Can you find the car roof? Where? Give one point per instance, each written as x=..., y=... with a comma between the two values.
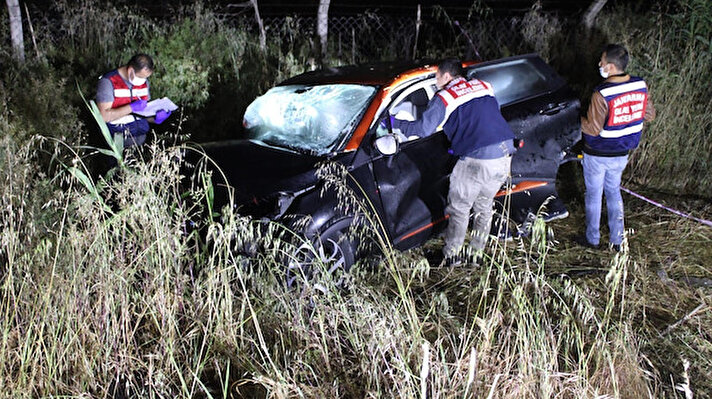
x=377, y=74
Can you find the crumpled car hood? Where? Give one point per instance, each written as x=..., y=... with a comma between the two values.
x=257, y=172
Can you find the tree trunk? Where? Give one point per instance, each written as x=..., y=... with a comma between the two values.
x=592, y=12
x=15, y=12
x=263, y=36
x=322, y=28
x=417, y=32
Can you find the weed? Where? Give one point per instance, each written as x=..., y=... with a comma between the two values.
x=105, y=292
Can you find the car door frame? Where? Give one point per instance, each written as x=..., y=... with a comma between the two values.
x=431, y=192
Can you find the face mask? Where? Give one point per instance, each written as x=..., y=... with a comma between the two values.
x=136, y=81
x=602, y=72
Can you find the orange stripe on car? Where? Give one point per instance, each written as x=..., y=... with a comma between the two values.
x=525, y=185
x=362, y=128
x=381, y=95
x=421, y=229
x=365, y=123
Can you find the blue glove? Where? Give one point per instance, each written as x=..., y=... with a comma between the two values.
x=384, y=124
x=161, y=116
x=138, y=105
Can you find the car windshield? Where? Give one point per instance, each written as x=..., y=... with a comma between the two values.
x=307, y=119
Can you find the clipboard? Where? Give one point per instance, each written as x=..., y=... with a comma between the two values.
x=154, y=106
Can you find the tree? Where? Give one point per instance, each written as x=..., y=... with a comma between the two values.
x=15, y=13
x=260, y=24
x=322, y=27
x=263, y=37
x=592, y=12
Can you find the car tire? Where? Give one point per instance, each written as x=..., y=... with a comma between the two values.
x=332, y=252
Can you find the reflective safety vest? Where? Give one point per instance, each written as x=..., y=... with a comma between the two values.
x=472, y=116
x=123, y=94
x=624, y=123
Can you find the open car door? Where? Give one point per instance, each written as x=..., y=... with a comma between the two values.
x=413, y=182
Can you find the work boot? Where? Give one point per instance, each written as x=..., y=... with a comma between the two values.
x=582, y=241
x=452, y=261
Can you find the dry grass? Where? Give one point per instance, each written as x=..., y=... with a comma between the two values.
x=672, y=274
x=124, y=302
x=104, y=292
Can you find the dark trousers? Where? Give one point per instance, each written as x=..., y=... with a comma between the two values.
x=134, y=133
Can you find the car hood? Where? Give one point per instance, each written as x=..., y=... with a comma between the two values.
x=257, y=172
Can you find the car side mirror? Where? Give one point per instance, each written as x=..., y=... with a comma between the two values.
x=387, y=144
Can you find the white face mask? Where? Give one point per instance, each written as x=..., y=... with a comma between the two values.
x=602, y=72
x=136, y=81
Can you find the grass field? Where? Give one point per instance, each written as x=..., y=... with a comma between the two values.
x=105, y=293
x=121, y=302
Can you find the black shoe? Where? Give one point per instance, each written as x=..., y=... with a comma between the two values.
x=582, y=241
x=616, y=247
x=452, y=261
x=479, y=260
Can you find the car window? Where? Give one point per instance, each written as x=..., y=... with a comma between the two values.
x=517, y=79
x=309, y=119
x=410, y=104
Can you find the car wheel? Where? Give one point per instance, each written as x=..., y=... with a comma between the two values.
x=329, y=255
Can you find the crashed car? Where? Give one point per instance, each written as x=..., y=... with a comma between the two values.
x=333, y=115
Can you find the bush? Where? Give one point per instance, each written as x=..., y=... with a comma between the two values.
x=42, y=101
x=191, y=52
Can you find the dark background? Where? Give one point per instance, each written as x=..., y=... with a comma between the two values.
x=280, y=7
x=395, y=7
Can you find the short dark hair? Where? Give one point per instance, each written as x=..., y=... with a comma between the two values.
x=453, y=66
x=617, y=55
x=140, y=62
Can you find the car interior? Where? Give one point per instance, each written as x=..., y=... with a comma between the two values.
x=411, y=105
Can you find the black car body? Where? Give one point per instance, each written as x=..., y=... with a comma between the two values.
x=334, y=115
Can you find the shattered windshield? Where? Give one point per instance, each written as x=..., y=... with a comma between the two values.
x=308, y=119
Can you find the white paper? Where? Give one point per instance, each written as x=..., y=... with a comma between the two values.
x=156, y=105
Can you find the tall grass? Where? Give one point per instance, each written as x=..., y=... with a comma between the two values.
x=124, y=302
x=105, y=292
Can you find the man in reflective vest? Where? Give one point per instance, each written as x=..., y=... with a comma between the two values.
x=611, y=129
x=468, y=113
x=123, y=92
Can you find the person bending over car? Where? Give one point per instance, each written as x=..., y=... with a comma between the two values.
x=611, y=129
x=470, y=117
